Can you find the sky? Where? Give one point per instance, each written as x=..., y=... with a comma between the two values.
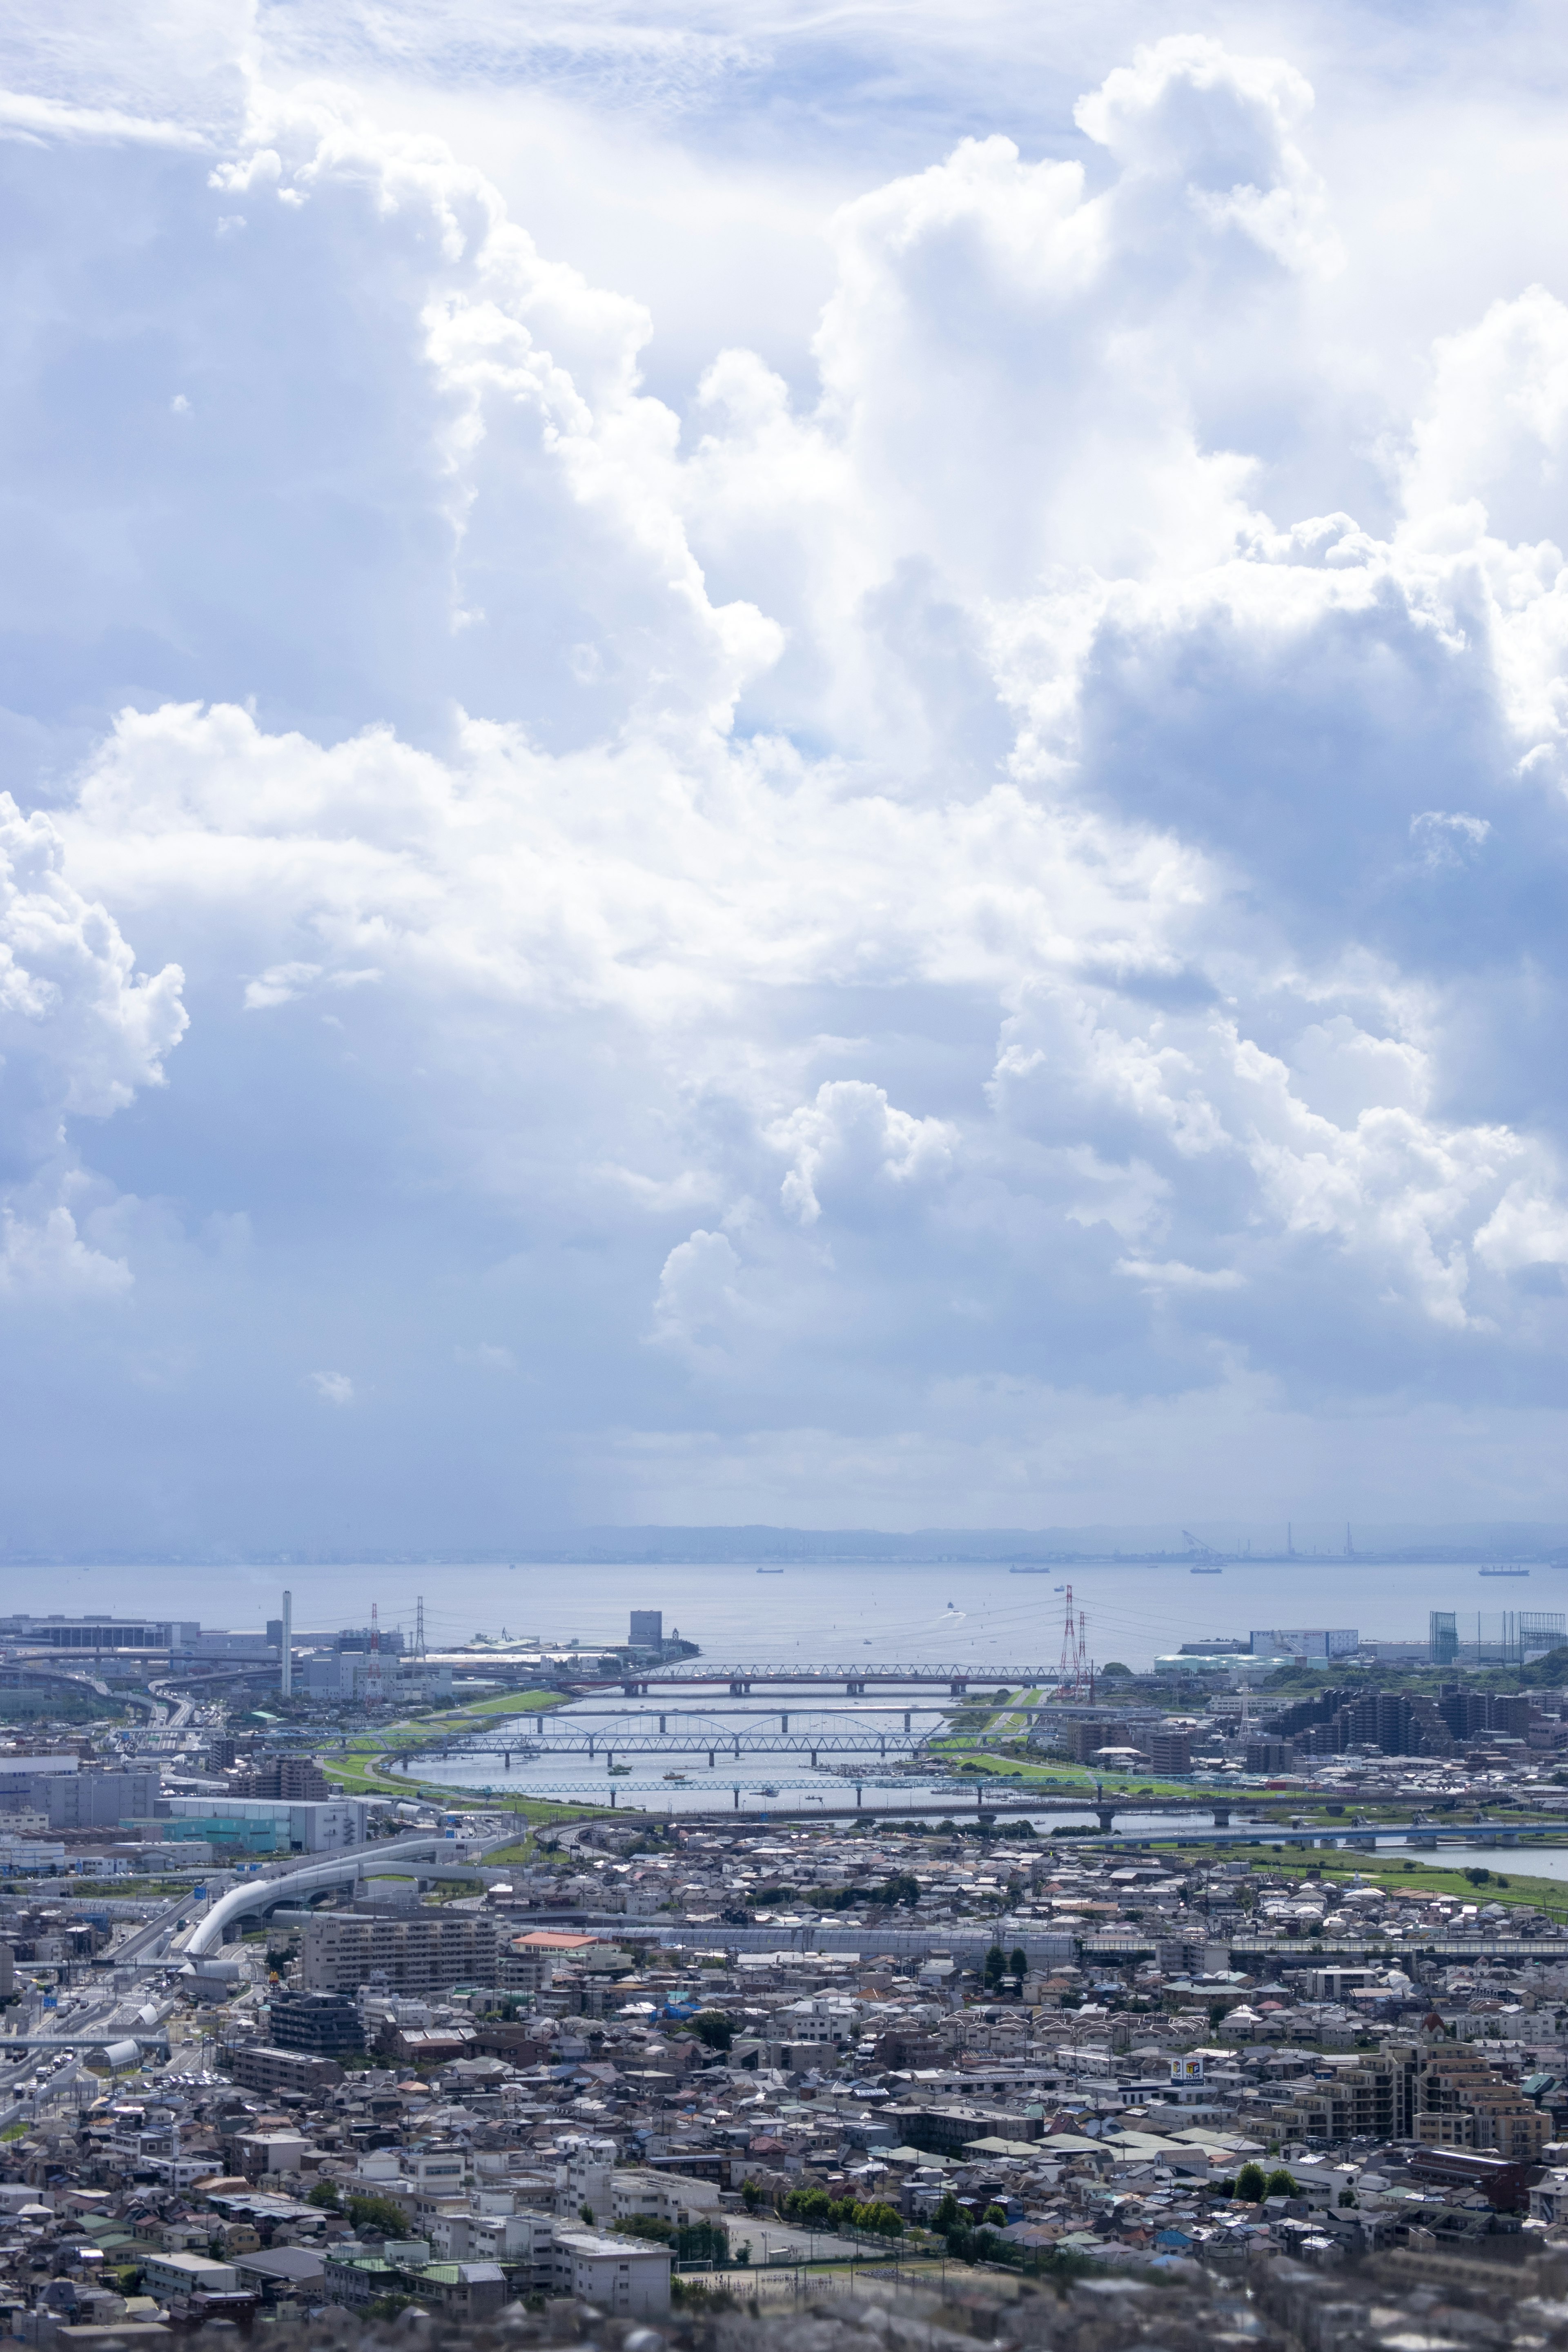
x=794, y=763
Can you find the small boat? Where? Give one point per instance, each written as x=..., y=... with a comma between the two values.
x=767, y=1790
x=1505, y=1571
x=1219, y=1571
x=770, y=1571
x=676, y=1776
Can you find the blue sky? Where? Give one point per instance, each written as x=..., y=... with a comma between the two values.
x=780, y=764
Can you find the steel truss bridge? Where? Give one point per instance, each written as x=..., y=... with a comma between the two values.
x=852, y=1676
x=710, y=1744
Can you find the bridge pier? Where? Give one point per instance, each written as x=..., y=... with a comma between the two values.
x=1107, y=1815
x=1221, y=1816
x=906, y=1721
x=661, y=1725
x=814, y=1760
x=853, y=1689
x=783, y=1723
x=710, y=1755
x=957, y=1686
x=740, y=1689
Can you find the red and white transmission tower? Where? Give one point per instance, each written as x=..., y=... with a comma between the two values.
x=1075, y=1675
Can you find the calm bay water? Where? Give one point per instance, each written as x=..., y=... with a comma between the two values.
x=832, y=1612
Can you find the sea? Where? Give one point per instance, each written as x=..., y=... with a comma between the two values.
x=973, y=1613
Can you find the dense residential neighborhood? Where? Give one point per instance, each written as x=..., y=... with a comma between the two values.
x=639, y=2052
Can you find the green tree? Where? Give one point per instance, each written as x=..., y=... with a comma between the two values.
x=586, y=2214
x=1018, y=1962
x=1347, y=2197
x=1116, y=1672
x=879, y=2220
x=1279, y=2184
x=947, y=2215
x=646, y=2226
x=751, y=2195
x=325, y=2192
x=382, y=2213
x=1249, y=2184
x=703, y=2241
x=712, y=2028
x=995, y=2217
x=995, y=1965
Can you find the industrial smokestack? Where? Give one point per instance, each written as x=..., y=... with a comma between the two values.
x=286, y=1682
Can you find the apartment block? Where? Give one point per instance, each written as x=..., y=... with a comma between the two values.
x=261, y=2066
x=429, y=1952
x=320, y=2024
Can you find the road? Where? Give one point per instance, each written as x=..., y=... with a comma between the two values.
x=20, y=2093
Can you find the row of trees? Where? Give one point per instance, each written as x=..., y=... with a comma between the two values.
x=816, y=2211
x=1252, y=2186
x=693, y=2241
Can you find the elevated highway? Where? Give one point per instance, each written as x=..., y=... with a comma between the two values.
x=253, y=1897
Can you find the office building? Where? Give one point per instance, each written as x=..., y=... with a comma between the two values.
x=647, y=1628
